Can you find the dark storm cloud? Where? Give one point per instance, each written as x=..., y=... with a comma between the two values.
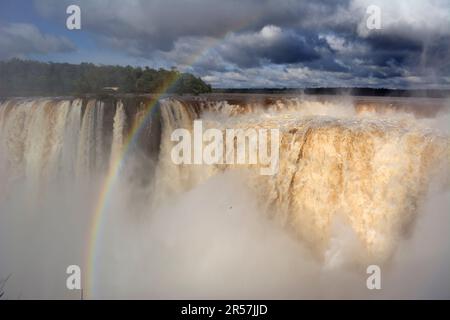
x=161, y=22
x=270, y=45
x=392, y=42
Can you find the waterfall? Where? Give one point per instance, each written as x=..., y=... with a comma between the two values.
x=369, y=165
x=118, y=132
x=336, y=162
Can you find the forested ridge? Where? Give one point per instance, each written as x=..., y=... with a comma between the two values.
x=33, y=78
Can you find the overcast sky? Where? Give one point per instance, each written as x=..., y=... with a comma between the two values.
x=243, y=43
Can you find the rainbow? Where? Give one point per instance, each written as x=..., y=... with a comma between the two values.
x=95, y=230
x=112, y=176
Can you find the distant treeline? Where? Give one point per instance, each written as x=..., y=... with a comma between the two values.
x=32, y=78
x=381, y=92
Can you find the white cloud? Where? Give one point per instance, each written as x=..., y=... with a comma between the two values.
x=21, y=39
x=270, y=32
x=413, y=18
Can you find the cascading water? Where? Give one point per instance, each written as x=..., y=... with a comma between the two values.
x=118, y=132
x=372, y=171
x=367, y=165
